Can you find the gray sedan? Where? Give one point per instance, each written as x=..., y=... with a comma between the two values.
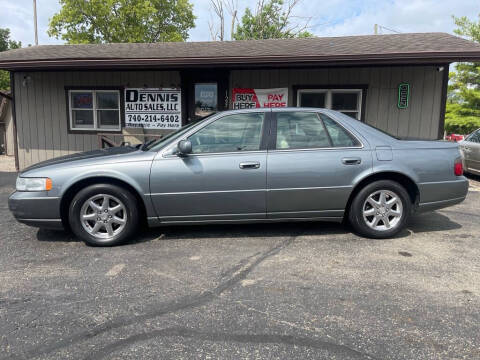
x=262, y=165
x=471, y=152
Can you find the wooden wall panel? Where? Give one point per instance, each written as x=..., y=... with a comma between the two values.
x=420, y=120
x=41, y=109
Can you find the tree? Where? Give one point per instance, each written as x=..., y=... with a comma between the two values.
x=463, y=106
x=217, y=31
x=6, y=44
x=272, y=19
x=114, y=21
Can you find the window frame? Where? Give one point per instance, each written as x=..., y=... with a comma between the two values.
x=168, y=151
x=262, y=132
x=94, y=90
x=272, y=143
x=361, y=89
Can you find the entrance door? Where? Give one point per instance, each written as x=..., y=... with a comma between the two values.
x=206, y=92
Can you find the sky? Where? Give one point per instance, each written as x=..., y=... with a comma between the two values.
x=327, y=17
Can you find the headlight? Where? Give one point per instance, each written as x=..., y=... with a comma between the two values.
x=33, y=184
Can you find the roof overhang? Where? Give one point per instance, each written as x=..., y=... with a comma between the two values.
x=241, y=62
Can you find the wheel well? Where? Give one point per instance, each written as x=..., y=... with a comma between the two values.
x=405, y=181
x=76, y=187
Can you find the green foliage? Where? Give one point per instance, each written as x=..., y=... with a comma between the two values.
x=271, y=21
x=116, y=21
x=460, y=119
x=463, y=107
x=6, y=44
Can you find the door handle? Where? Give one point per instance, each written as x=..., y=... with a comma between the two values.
x=351, y=161
x=249, y=165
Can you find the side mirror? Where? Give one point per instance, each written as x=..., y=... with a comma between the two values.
x=184, y=147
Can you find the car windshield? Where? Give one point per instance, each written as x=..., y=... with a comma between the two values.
x=158, y=144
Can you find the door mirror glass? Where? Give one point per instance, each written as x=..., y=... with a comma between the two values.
x=184, y=147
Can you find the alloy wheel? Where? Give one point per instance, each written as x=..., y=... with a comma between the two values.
x=382, y=210
x=103, y=216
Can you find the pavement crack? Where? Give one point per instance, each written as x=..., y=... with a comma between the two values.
x=186, y=302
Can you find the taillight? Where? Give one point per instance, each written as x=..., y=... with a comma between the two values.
x=458, y=167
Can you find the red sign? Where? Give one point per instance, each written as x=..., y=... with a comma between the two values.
x=247, y=98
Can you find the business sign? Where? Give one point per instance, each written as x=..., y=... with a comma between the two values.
x=247, y=98
x=403, y=95
x=153, y=108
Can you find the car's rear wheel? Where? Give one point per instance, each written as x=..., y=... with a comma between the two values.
x=380, y=210
x=103, y=215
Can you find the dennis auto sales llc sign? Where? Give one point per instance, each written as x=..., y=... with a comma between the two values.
x=247, y=98
x=153, y=108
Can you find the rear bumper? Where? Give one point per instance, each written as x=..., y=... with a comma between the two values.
x=438, y=195
x=36, y=209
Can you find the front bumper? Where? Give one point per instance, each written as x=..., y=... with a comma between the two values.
x=36, y=209
x=438, y=195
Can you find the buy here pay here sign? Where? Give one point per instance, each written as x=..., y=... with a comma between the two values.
x=248, y=98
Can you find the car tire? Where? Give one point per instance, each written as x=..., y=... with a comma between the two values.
x=380, y=209
x=103, y=215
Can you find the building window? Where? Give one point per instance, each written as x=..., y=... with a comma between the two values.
x=94, y=110
x=347, y=101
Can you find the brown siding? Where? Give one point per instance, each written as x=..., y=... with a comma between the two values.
x=42, y=111
x=420, y=120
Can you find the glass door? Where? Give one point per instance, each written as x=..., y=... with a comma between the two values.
x=206, y=92
x=206, y=99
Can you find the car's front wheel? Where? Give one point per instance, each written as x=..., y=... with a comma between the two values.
x=380, y=210
x=103, y=215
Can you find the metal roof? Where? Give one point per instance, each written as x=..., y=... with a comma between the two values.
x=353, y=50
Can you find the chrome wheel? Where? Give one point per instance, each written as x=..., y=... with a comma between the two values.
x=103, y=216
x=382, y=210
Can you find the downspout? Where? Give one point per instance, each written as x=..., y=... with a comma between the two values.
x=14, y=119
x=443, y=101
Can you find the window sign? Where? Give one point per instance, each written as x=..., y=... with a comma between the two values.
x=403, y=95
x=205, y=99
x=82, y=100
x=153, y=108
x=248, y=98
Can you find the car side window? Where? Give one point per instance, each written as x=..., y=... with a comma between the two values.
x=231, y=133
x=300, y=130
x=340, y=137
x=475, y=137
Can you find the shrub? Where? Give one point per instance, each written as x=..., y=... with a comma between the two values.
x=461, y=120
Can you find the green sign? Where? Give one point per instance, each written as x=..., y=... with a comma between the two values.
x=403, y=95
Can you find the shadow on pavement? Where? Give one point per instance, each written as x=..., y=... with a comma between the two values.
x=428, y=222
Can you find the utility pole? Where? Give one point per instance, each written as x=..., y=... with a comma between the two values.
x=35, y=20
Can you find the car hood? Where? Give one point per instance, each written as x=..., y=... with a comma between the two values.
x=95, y=154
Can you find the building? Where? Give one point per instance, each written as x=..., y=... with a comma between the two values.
x=7, y=142
x=66, y=97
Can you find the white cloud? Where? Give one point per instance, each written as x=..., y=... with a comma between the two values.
x=403, y=16
x=17, y=15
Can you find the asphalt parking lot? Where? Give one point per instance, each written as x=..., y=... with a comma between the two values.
x=283, y=291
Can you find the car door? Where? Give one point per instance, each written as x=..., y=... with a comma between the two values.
x=312, y=163
x=471, y=150
x=224, y=178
